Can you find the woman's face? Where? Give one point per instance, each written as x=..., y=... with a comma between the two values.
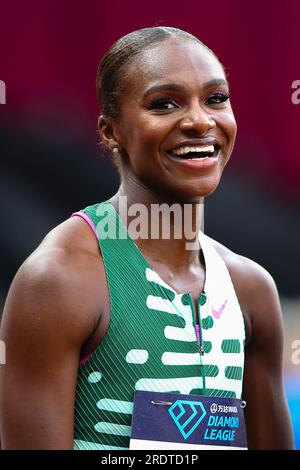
x=176, y=123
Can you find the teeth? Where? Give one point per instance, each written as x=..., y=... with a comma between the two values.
x=185, y=150
x=200, y=158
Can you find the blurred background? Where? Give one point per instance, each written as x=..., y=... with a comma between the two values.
x=50, y=164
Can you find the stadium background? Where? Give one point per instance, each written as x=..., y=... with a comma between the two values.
x=50, y=164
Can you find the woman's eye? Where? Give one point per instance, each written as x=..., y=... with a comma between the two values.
x=163, y=103
x=218, y=98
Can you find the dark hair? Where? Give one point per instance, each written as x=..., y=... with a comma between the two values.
x=111, y=70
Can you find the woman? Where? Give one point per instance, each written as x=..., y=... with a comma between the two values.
x=148, y=314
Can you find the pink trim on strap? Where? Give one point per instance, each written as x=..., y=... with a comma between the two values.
x=88, y=220
x=85, y=359
x=198, y=334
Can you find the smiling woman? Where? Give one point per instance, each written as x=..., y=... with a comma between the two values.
x=94, y=316
x=157, y=92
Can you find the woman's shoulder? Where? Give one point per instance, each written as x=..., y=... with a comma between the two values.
x=244, y=271
x=68, y=253
x=255, y=289
x=61, y=279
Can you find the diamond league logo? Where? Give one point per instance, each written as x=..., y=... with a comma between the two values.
x=187, y=415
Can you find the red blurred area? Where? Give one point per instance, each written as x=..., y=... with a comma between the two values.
x=50, y=51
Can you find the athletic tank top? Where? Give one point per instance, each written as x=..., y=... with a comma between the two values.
x=151, y=342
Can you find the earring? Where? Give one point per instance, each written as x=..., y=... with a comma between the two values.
x=116, y=151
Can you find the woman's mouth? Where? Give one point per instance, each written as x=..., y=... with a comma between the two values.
x=196, y=157
x=196, y=153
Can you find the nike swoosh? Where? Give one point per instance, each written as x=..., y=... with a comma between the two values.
x=217, y=313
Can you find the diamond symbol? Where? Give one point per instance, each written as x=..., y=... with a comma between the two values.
x=187, y=415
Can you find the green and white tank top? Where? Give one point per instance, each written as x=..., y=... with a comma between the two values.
x=151, y=341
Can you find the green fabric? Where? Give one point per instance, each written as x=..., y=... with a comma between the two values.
x=137, y=353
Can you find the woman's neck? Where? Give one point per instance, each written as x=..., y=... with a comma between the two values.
x=164, y=229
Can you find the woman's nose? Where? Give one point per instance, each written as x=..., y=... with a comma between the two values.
x=198, y=121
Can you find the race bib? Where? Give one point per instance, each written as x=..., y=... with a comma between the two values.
x=173, y=421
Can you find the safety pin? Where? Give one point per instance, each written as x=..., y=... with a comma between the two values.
x=162, y=403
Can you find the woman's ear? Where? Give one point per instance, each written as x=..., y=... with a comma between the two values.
x=106, y=131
